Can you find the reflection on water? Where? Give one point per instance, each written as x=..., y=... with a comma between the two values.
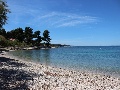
x=42, y=56
x=45, y=56
x=104, y=59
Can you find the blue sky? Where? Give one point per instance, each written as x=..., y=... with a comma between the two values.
x=73, y=22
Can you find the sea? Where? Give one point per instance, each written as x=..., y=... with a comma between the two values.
x=98, y=59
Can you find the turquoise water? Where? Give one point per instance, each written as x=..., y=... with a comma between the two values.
x=104, y=59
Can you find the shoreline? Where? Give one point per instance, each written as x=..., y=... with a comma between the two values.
x=86, y=70
x=41, y=77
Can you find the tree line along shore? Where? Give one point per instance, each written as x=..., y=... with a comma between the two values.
x=24, y=38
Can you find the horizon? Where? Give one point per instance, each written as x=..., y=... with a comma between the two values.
x=96, y=46
x=70, y=22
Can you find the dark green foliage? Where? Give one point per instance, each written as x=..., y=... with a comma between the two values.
x=3, y=32
x=19, y=34
x=38, y=37
x=3, y=13
x=12, y=34
x=46, y=37
x=36, y=34
x=3, y=41
x=28, y=35
x=20, y=37
x=9, y=35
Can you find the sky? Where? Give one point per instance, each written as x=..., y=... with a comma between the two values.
x=72, y=22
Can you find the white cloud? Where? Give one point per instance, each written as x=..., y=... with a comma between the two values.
x=66, y=19
x=48, y=15
x=39, y=17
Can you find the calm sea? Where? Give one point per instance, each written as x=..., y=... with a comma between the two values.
x=105, y=59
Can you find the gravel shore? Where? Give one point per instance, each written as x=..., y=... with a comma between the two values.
x=23, y=75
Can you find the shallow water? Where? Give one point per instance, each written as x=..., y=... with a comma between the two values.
x=105, y=59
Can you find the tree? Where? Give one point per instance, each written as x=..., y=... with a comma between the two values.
x=12, y=34
x=3, y=32
x=19, y=34
x=28, y=35
x=46, y=37
x=38, y=37
x=9, y=35
x=3, y=13
x=3, y=41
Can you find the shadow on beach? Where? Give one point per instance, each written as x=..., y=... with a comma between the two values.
x=11, y=77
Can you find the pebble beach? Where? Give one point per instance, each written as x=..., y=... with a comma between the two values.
x=24, y=75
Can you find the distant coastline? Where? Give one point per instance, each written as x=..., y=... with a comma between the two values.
x=42, y=46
